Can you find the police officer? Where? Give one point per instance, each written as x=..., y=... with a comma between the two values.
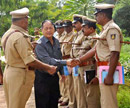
x=88, y=67
x=107, y=53
x=77, y=101
x=36, y=33
x=60, y=35
x=20, y=61
x=60, y=30
x=65, y=49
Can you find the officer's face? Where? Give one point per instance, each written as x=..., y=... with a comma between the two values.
x=60, y=30
x=99, y=18
x=48, y=29
x=68, y=29
x=24, y=23
x=87, y=30
x=77, y=26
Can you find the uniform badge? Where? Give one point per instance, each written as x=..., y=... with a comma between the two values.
x=113, y=36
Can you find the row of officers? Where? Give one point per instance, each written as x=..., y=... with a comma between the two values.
x=74, y=44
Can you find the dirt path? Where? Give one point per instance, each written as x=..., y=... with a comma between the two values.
x=30, y=103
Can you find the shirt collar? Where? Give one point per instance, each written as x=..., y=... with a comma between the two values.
x=18, y=28
x=69, y=34
x=80, y=32
x=47, y=40
x=91, y=35
x=107, y=24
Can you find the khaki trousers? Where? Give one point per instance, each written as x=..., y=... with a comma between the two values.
x=91, y=92
x=108, y=95
x=17, y=86
x=93, y=96
x=79, y=91
x=71, y=94
x=63, y=89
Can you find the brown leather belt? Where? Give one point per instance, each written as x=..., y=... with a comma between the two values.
x=105, y=63
x=86, y=63
x=66, y=57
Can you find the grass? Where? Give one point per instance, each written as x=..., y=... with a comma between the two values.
x=123, y=95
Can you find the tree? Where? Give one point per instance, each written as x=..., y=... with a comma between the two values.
x=122, y=15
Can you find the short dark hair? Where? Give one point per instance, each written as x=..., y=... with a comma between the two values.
x=16, y=19
x=108, y=13
x=91, y=24
x=50, y=22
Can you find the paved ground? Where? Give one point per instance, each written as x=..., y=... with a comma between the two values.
x=30, y=103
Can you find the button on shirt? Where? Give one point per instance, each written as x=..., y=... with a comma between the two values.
x=50, y=54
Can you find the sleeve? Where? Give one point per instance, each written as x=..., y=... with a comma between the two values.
x=43, y=56
x=24, y=50
x=113, y=40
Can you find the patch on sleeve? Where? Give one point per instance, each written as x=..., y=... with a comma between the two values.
x=113, y=36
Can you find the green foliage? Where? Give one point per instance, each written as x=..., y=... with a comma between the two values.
x=122, y=15
x=125, y=57
x=123, y=95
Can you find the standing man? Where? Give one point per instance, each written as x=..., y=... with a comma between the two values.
x=88, y=67
x=65, y=49
x=20, y=61
x=77, y=101
x=48, y=51
x=60, y=36
x=60, y=30
x=107, y=53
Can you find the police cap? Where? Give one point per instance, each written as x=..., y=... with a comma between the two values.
x=67, y=23
x=59, y=24
x=77, y=17
x=103, y=8
x=20, y=13
x=87, y=21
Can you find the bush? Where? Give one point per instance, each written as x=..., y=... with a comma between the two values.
x=123, y=95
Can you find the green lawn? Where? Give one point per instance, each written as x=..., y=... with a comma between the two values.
x=124, y=95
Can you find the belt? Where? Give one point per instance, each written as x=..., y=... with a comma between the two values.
x=86, y=63
x=66, y=57
x=105, y=63
x=29, y=68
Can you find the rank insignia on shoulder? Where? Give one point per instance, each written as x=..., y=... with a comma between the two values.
x=113, y=36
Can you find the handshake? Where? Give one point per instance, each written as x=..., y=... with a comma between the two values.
x=73, y=62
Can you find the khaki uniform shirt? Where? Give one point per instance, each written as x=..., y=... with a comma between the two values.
x=18, y=51
x=61, y=37
x=88, y=43
x=65, y=49
x=113, y=35
x=78, y=39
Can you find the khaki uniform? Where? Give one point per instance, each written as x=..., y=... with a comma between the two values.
x=92, y=92
x=61, y=83
x=18, y=80
x=61, y=37
x=79, y=97
x=66, y=48
x=112, y=34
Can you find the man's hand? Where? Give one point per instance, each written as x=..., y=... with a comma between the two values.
x=1, y=79
x=108, y=80
x=94, y=81
x=73, y=62
x=62, y=78
x=52, y=70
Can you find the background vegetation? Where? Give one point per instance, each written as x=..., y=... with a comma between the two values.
x=64, y=9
